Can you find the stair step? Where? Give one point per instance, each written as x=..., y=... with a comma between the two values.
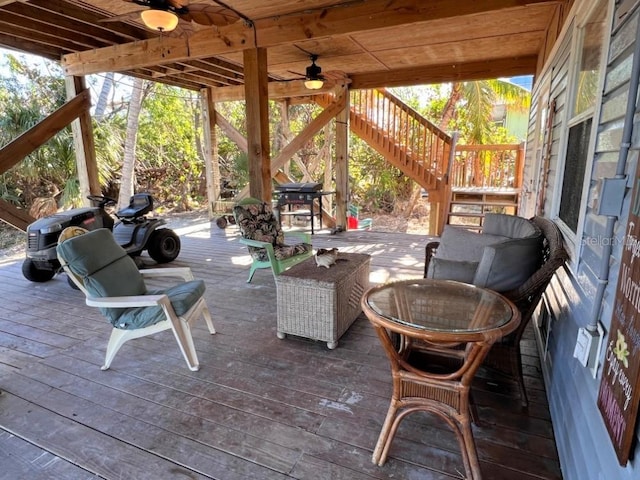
x=484, y=196
x=475, y=209
x=466, y=214
x=471, y=228
x=480, y=202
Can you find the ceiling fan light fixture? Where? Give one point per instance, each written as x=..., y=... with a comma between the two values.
x=313, y=78
x=160, y=20
x=313, y=84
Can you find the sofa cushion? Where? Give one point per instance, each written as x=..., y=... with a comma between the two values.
x=510, y=226
x=462, y=245
x=440, y=268
x=506, y=265
x=501, y=258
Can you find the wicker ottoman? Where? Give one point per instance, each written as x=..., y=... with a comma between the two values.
x=321, y=303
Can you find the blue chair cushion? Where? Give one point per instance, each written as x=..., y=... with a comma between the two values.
x=182, y=296
x=104, y=266
x=459, y=244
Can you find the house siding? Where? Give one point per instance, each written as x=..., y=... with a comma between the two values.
x=584, y=447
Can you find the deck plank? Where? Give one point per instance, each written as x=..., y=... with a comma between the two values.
x=259, y=407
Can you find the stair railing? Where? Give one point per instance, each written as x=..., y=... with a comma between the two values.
x=407, y=139
x=487, y=166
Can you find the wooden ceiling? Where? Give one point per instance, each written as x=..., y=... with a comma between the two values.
x=373, y=42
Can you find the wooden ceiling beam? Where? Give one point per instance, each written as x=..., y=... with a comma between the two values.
x=233, y=76
x=201, y=79
x=36, y=32
x=112, y=33
x=447, y=73
x=277, y=89
x=269, y=32
x=61, y=22
x=172, y=81
x=22, y=45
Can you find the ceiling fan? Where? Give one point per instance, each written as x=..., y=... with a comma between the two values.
x=313, y=78
x=164, y=15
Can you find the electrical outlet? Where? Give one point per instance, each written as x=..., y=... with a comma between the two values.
x=587, y=347
x=583, y=346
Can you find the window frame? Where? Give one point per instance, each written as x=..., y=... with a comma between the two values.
x=584, y=13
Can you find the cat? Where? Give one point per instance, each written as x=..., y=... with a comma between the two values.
x=326, y=257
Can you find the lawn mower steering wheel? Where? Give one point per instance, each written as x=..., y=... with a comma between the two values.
x=102, y=200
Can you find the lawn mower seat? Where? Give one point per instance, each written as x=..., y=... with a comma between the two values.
x=139, y=204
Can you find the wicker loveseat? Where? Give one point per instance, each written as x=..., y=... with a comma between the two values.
x=505, y=356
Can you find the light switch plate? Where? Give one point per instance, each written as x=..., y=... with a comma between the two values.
x=583, y=346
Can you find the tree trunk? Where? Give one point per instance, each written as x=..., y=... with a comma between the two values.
x=415, y=196
x=449, y=110
x=284, y=136
x=101, y=106
x=127, y=180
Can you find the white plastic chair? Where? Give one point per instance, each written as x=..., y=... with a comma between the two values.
x=97, y=264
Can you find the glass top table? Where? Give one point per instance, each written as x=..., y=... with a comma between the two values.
x=449, y=327
x=441, y=308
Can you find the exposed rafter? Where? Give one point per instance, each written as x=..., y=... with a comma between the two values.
x=270, y=32
x=376, y=42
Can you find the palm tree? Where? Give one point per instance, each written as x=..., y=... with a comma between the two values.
x=478, y=100
x=127, y=180
x=101, y=106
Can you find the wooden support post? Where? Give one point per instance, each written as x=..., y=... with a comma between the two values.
x=342, y=159
x=212, y=167
x=84, y=145
x=257, y=108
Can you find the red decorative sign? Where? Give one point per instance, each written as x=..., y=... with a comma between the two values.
x=619, y=393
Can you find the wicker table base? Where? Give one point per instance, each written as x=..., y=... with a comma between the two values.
x=322, y=303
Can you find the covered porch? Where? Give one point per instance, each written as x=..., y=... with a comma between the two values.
x=258, y=408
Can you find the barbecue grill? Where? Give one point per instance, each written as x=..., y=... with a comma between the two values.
x=296, y=194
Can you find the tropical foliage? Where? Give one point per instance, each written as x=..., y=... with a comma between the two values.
x=168, y=156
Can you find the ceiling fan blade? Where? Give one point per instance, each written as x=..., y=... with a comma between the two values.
x=162, y=4
x=296, y=73
x=209, y=15
x=124, y=16
x=178, y=4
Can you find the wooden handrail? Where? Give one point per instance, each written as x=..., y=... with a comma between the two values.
x=407, y=139
x=488, y=166
x=425, y=153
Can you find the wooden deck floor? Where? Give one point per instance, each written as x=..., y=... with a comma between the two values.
x=259, y=408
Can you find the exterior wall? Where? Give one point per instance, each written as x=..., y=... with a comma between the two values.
x=584, y=446
x=516, y=123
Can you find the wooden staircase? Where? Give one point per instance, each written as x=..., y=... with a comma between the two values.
x=406, y=139
x=463, y=181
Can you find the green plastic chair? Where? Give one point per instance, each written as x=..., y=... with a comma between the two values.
x=265, y=239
